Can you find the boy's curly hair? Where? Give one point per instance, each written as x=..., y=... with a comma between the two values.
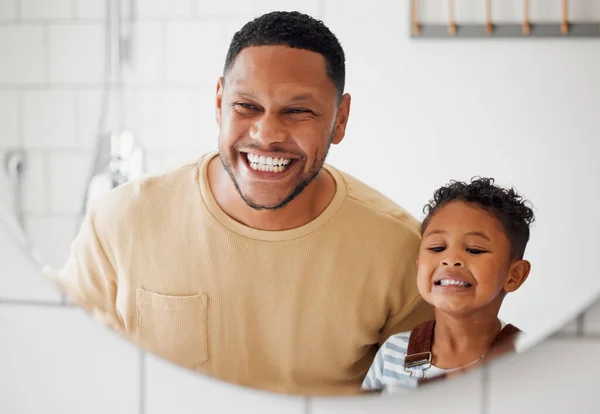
x=504, y=204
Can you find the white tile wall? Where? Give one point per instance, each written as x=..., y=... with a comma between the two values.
x=20, y=279
x=559, y=375
x=147, y=61
x=311, y=7
x=36, y=194
x=48, y=118
x=210, y=8
x=67, y=176
x=50, y=73
x=9, y=119
x=45, y=9
x=22, y=54
x=90, y=9
x=76, y=53
x=57, y=360
x=463, y=396
x=187, y=63
x=160, y=9
x=174, y=118
x=591, y=321
x=52, y=235
x=172, y=389
x=8, y=9
x=88, y=114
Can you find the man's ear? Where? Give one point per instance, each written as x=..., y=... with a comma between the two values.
x=341, y=119
x=517, y=274
x=219, y=100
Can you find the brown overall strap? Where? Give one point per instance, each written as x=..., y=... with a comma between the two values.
x=504, y=342
x=419, y=345
x=505, y=334
x=421, y=340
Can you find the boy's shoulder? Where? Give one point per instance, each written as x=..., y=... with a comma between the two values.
x=397, y=344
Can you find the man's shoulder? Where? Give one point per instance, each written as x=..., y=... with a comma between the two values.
x=368, y=202
x=148, y=194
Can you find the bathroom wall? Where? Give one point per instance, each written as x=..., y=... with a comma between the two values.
x=54, y=359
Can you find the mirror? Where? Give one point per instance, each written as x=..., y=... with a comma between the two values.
x=296, y=295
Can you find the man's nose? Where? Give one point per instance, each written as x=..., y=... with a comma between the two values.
x=269, y=129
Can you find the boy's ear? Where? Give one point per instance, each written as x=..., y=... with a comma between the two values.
x=518, y=273
x=417, y=261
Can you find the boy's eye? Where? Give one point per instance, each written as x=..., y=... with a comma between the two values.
x=438, y=249
x=475, y=251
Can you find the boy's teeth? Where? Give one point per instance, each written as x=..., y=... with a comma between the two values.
x=449, y=282
x=268, y=164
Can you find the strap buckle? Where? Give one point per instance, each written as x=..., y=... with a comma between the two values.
x=418, y=359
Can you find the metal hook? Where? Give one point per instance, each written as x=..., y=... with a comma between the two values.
x=526, y=22
x=451, y=20
x=564, y=25
x=416, y=27
x=489, y=26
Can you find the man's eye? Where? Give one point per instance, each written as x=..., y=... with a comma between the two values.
x=246, y=107
x=437, y=249
x=299, y=111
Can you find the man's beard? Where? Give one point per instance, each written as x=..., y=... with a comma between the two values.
x=312, y=174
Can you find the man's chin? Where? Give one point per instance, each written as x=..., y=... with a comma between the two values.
x=264, y=204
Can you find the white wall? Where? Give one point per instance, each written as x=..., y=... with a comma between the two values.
x=423, y=112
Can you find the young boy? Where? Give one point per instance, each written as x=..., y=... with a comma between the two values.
x=473, y=241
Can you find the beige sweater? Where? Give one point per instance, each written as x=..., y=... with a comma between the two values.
x=296, y=311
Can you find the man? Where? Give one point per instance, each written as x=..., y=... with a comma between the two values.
x=259, y=264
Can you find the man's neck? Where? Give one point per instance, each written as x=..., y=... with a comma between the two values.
x=308, y=205
x=461, y=340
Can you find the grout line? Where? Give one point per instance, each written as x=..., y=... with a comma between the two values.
x=589, y=337
x=20, y=302
x=74, y=10
x=485, y=388
x=321, y=9
x=20, y=119
x=163, y=52
x=142, y=382
x=91, y=86
x=77, y=115
x=307, y=405
x=580, y=324
x=47, y=57
x=48, y=181
x=195, y=9
x=132, y=86
x=200, y=18
x=58, y=150
x=58, y=21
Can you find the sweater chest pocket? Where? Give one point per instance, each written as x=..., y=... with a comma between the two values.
x=173, y=327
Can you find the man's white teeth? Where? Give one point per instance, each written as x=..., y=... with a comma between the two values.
x=450, y=282
x=267, y=164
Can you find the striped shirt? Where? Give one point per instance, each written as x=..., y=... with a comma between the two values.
x=387, y=370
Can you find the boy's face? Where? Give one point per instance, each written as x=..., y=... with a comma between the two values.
x=464, y=263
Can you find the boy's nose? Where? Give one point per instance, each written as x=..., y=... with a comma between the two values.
x=455, y=262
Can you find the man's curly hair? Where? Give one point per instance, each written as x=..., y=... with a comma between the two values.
x=292, y=29
x=504, y=204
